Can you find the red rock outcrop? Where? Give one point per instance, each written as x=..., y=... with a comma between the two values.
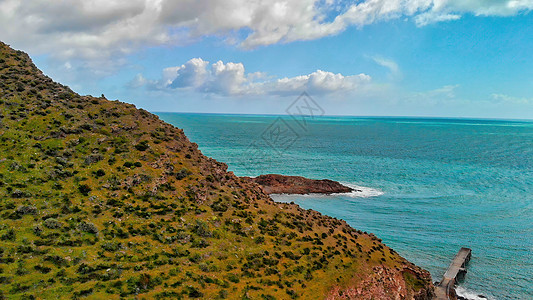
x=387, y=283
x=282, y=184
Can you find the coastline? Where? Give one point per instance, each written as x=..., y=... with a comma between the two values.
x=215, y=233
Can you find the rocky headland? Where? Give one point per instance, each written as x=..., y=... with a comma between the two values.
x=283, y=184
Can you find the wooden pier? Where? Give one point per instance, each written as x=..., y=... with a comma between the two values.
x=445, y=290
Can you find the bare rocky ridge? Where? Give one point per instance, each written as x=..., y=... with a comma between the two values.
x=282, y=184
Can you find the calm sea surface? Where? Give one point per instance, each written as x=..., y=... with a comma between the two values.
x=430, y=186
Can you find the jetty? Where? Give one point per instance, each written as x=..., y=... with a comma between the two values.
x=445, y=290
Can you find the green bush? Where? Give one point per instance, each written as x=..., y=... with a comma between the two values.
x=142, y=146
x=182, y=174
x=87, y=227
x=52, y=223
x=233, y=278
x=84, y=189
x=27, y=210
x=99, y=173
x=9, y=235
x=111, y=246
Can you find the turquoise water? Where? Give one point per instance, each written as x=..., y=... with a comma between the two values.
x=430, y=186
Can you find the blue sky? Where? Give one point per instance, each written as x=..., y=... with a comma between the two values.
x=443, y=58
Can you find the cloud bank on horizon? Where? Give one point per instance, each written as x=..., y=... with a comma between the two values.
x=230, y=79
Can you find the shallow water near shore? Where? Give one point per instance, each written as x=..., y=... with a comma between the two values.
x=430, y=186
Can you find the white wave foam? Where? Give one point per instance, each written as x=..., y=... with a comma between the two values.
x=470, y=295
x=361, y=191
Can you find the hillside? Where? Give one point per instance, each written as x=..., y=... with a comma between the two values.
x=101, y=200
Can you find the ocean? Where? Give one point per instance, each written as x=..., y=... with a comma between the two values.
x=429, y=185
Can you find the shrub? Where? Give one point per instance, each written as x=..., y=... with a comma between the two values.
x=233, y=278
x=223, y=294
x=111, y=246
x=83, y=293
x=84, y=189
x=99, y=173
x=146, y=282
x=142, y=146
x=37, y=230
x=20, y=194
x=182, y=174
x=219, y=206
x=8, y=236
x=42, y=269
x=87, y=227
x=195, y=257
x=194, y=292
x=27, y=210
x=201, y=243
x=58, y=261
x=52, y=223
x=93, y=158
x=21, y=270
x=202, y=229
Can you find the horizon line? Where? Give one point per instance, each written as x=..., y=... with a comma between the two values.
x=355, y=116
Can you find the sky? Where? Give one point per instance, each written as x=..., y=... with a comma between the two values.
x=442, y=58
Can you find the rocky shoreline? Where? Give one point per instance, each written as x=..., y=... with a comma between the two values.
x=283, y=184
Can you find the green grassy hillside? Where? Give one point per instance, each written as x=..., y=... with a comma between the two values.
x=101, y=200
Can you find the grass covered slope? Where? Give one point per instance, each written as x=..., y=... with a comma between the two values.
x=101, y=200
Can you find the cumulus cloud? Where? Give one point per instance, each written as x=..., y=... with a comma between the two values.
x=102, y=28
x=318, y=82
x=231, y=79
x=191, y=74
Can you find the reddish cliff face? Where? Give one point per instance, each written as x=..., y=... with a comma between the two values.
x=387, y=283
x=281, y=184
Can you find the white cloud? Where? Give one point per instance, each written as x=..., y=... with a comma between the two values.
x=231, y=79
x=193, y=73
x=228, y=79
x=389, y=64
x=444, y=95
x=434, y=17
x=506, y=99
x=138, y=81
x=318, y=82
x=103, y=28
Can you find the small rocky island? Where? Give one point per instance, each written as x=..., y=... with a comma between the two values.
x=282, y=184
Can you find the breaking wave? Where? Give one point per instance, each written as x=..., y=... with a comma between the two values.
x=359, y=192
x=470, y=295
